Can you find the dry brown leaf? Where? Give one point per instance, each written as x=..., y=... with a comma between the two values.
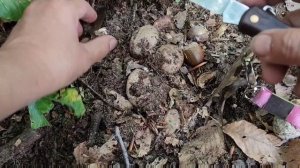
x=120, y=101
x=95, y=154
x=204, y=78
x=205, y=148
x=172, y=121
x=254, y=142
x=291, y=153
x=143, y=139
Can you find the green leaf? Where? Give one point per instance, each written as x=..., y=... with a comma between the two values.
x=12, y=10
x=71, y=98
x=37, y=110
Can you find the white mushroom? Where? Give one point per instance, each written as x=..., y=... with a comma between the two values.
x=143, y=41
x=172, y=58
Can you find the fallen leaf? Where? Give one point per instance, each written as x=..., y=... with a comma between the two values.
x=205, y=148
x=254, y=142
x=103, y=154
x=120, y=100
x=172, y=120
x=204, y=78
x=143, y=139
x=291, y=153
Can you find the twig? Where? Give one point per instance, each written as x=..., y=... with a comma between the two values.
x=98, y=95
x=124, y=150
x=28, y=138
x=95, y=126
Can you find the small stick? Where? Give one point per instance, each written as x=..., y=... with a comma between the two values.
x=98, y=95
x=197, y=66
x=124, y=151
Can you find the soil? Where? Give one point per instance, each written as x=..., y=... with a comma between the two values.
x=222, y=49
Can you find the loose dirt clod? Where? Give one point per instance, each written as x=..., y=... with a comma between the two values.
x=143, y=41
x=180, y=19
x=164, y=23
x=205, y=148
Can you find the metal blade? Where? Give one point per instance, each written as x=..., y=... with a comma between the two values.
x=231, y=10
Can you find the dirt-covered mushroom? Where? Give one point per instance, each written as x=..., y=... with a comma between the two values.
x=169, y=58
x=137, y=84
x=145, y=91
x=143, y=41
x=198, y=33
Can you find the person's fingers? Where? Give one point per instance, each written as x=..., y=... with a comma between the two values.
x=278, y=46
x=83, y=10
x=273, y=73
x=99, y=47
x=79, y=29
x=292, y=18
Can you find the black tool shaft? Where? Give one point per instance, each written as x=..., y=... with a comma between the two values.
x=256, y=20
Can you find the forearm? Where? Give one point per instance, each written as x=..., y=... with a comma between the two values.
x=20, y=81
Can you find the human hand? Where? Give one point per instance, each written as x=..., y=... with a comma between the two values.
x=43, y=52
x=278, y=49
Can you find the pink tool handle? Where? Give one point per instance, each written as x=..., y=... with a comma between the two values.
x=294, y=117
x=263, y=97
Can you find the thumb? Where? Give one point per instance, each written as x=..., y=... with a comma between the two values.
x=278, y=46
x=99, y=47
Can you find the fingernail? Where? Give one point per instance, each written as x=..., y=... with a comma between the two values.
x=261, y=45
x=112, y=43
